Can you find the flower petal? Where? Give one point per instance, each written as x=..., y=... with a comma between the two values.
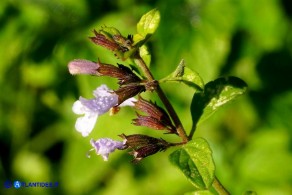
x=99, y=105
x=78, y=107
x=105, y=146
x=104, y=100
x=85, y=124
x=80, y=66
x=102, y=91
x=128, y=102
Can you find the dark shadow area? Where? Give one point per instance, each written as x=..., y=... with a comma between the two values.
x=8, y=13
x=237, y=43
x=5, y=155
x=287, y=7
x=43, y=117
x=274, y=70
x=55, y=152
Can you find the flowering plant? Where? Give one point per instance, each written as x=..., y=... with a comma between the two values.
x=194, y=156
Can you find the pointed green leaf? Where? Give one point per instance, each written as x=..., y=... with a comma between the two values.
x=139, y=40
x=216, y=94
x=192, y=79
x=195, y=161
x=148, y=23
x=185, y=75
x=145, y=55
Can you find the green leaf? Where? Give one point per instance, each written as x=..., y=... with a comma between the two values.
x=216, y=94
x=148, y=23
x=139, y=40
x=185, y=75
x=145, y=55
x=195, y=161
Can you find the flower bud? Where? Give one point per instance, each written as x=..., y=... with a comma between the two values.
x=157, y=118
x=112, y=39
x=128, y=91
x=145, y=151
x=123, y=73
x=80, y=66
x=148, y=121
x=143, y=145
x=104, y=41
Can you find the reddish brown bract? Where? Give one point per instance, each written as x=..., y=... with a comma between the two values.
x=157, y=118
x=103, y=41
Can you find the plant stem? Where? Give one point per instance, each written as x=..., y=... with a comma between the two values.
x=219, y=187
x=179, y=127
x=192, y=131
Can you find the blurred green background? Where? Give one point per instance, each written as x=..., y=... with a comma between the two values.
x=250, y=138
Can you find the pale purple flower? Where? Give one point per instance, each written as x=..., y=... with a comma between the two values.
x=104, y=100
x=80, y=66
x=105, y=146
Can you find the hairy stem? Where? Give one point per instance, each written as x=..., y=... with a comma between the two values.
x=180, y=130
x=219, y=187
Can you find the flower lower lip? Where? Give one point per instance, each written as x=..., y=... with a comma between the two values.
x=104, y=100
x=105, y=146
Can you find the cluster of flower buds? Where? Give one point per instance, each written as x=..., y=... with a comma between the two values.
x=105, y=99
x=130, y=83
x=157, y=117
x=110, y=38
